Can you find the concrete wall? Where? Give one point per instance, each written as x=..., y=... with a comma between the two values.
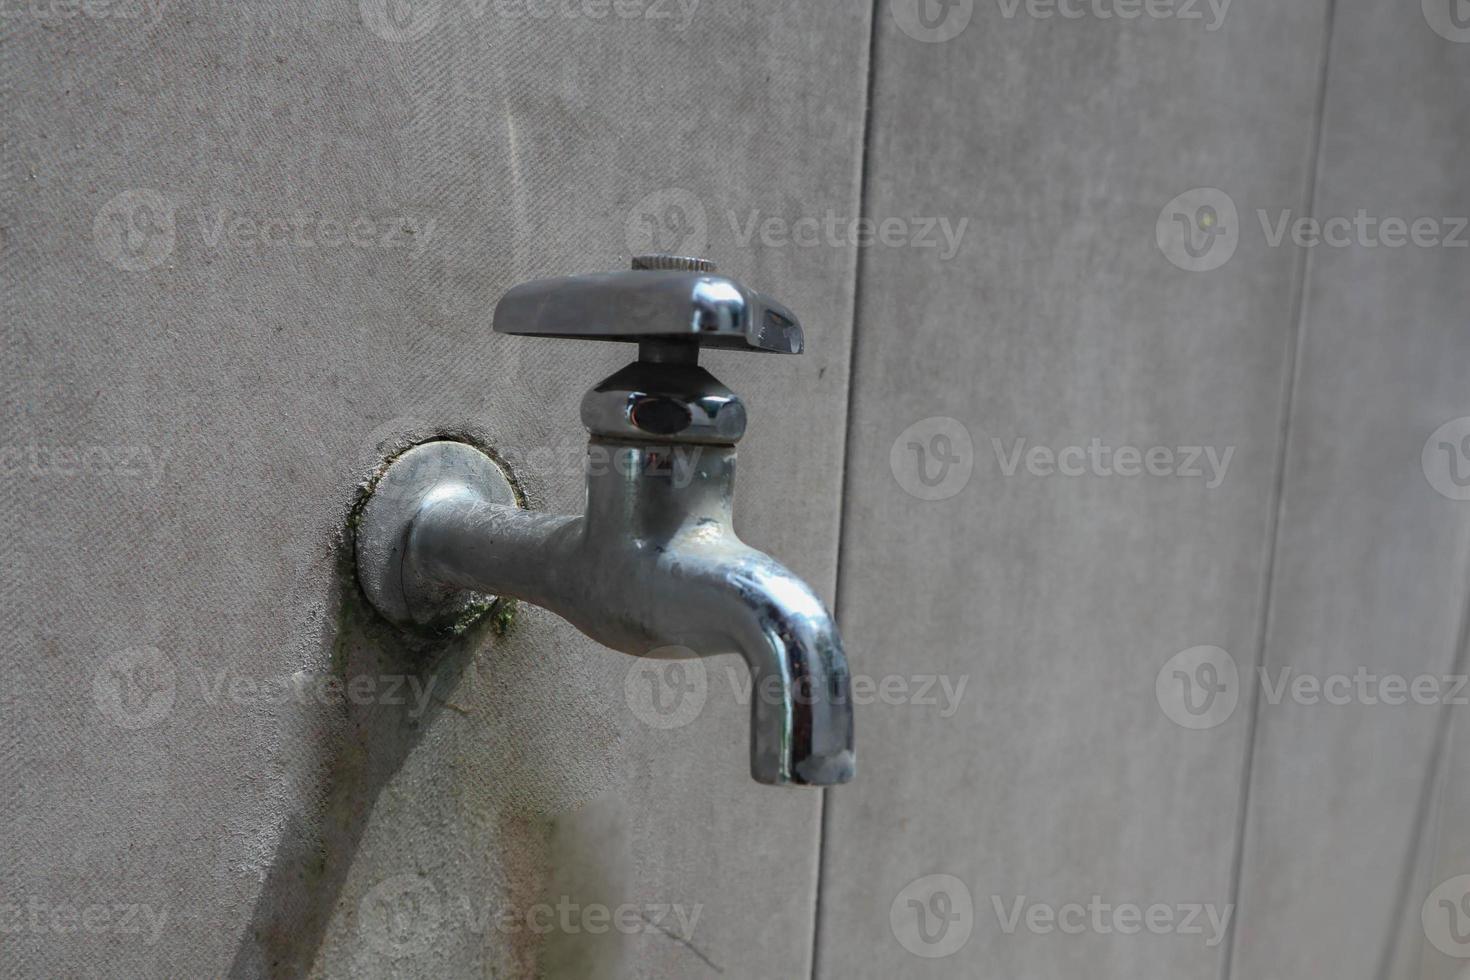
x=250, y=250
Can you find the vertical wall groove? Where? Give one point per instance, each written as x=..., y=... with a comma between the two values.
x=1278, y=506
x=864, y=158
x=1278, y=494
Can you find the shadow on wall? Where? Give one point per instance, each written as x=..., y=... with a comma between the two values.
x=365, y=745
x=496, y=766
x=560, y=839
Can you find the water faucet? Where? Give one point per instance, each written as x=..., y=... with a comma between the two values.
x=653, y=567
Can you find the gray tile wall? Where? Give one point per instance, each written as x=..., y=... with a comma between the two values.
x=1062, y=663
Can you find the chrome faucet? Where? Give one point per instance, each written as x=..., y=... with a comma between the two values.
x=653, y=568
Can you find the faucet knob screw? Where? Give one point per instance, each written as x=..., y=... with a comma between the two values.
x=673, y=263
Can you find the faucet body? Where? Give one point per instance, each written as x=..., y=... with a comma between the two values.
x=653, y=567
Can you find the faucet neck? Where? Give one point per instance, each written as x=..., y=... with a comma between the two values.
x=661, y=457
x=655, y=491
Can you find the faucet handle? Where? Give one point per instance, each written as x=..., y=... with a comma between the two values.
x=663, y=301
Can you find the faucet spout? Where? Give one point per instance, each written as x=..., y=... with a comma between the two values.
x=801, y=703
x=660, y=521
